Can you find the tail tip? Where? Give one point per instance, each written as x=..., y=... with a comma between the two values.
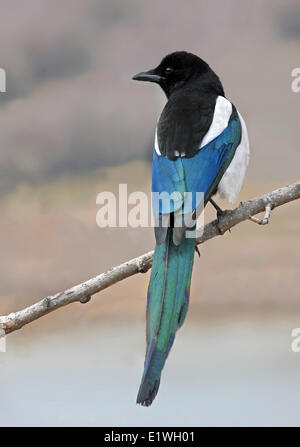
x=147, y=392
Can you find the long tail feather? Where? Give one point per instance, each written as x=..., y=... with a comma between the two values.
x=167, y=305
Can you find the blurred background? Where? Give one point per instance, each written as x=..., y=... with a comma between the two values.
x=73, y=124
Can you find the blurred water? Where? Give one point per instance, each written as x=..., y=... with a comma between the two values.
x=218, y=374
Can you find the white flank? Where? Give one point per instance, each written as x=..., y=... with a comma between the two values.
x=231, y=182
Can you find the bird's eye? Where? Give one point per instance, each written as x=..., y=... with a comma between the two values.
x=168, y=70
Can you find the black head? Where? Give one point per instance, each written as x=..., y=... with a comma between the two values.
x=175, y=70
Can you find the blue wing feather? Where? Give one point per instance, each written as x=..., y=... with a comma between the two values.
x=200, y=173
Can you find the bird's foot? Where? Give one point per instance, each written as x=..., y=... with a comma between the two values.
x=220, y=213
x=219, y=210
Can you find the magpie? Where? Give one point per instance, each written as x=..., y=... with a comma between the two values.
x=201, y=146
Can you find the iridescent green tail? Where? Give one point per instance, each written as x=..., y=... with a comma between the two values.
x=167, y=305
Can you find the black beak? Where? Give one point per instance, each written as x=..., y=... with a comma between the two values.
x=149, y=76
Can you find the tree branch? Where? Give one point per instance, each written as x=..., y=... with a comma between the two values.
x=83, y=292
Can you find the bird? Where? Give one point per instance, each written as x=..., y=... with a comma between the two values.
x=201, y=146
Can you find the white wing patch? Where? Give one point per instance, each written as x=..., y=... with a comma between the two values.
x=222, y=113
x=232, y=180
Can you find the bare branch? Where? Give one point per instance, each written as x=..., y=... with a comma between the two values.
x=83, y=292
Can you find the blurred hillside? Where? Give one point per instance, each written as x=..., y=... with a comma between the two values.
x=71, y=105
